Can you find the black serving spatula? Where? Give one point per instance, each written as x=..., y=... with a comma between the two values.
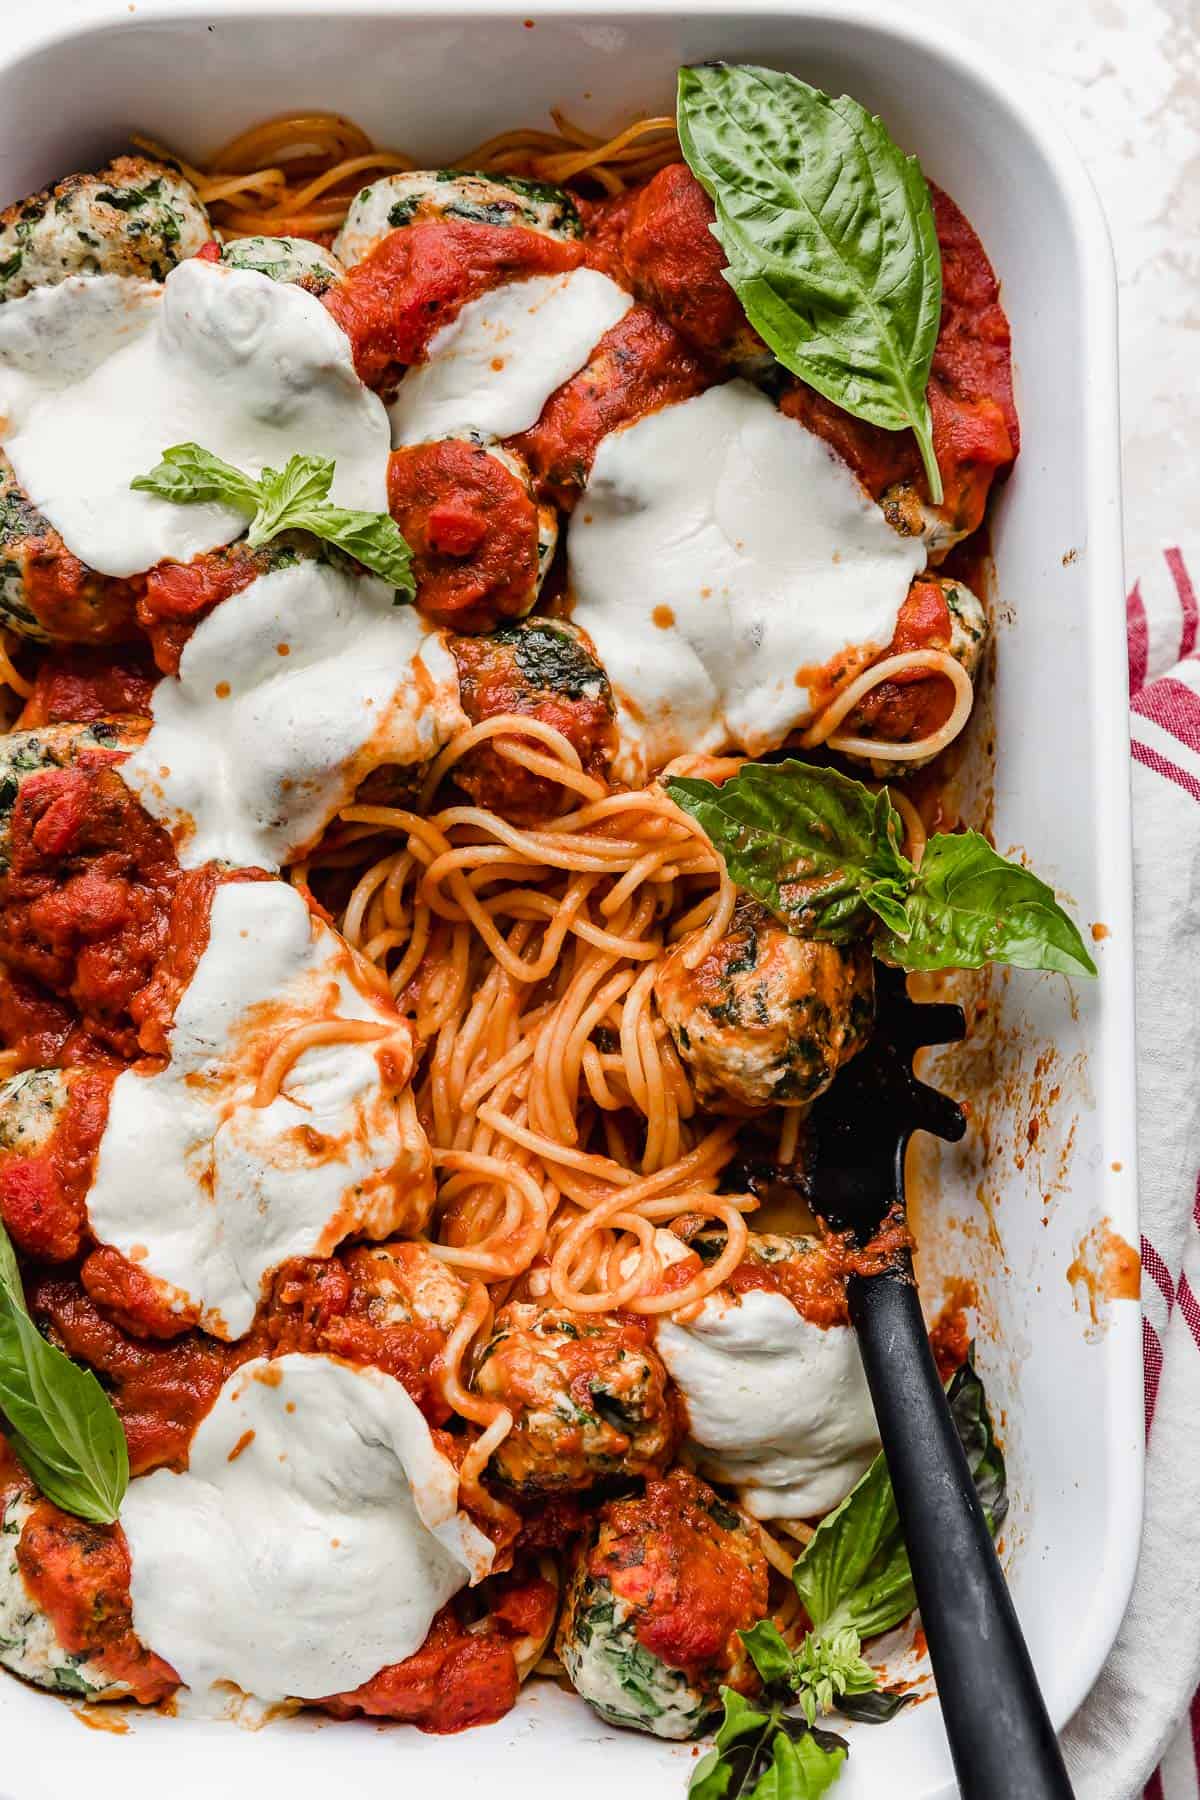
x=1001, y=1738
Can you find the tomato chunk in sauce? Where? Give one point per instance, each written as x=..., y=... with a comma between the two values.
x=85, y=897
x=82, y=686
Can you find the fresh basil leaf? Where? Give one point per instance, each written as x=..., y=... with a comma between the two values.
x=61, y=1422
x=830, y=236
x=373, y=539
x=744, y=1729
x=768, y=1652
x=191, y=475
x=854, y=1571
x=826, y=1668
x=11, y=1287
x=967, y=907
x=288, y=499
x=819, y=849
x=747, y=1763
x=874, y=1708
x=817, y=1675
x=801, y=1769
x=304, y=482
x=973, y=1423
x=823, y=853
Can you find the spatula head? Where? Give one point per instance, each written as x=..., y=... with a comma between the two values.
x=860, y=1128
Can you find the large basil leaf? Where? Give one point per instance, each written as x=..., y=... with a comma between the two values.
x=820, y=850
x=854, y=1571
x=830, y=236
x=823, y=853
x=61, y=1422
x=967, y=907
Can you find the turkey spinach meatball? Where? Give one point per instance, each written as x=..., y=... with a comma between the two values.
x=429, y=194
x=939, y=613
x=587, y=1393
x=66, y=1617
x=40, y=1204
x=766, y=1019
x=391, y=1305
x=547, y=669
x=133, y=217
x=46, y=593
x=658, y=1592
x=297, y=262
x=481, y=540
x=27, y=753
x=666, y=249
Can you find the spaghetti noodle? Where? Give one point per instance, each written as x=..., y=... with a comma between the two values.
x=563, y=1122
x=526, y=959
x=295, y=176
x=824, y=729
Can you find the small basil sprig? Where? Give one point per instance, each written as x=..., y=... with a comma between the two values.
x=829, y=232
x=826, y=1668
x=854, y=1572
x=854, y=1580
x=823, y=853
x=288, y=499
x=60, y=1421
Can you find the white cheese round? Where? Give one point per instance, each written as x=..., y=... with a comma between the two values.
x=311, y=1540
x=777, y=1407
x=720, y=556
x=289, y=693
x=206, y=1192
x=99, y=376
x=495, y=365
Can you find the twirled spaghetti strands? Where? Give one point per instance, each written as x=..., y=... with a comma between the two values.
x=296, y=175
x=825, y=731
x=562, y=1122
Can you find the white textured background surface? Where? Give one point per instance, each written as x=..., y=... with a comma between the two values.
x=1123, y=77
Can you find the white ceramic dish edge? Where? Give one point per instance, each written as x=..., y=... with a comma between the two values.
x=1075, y=1454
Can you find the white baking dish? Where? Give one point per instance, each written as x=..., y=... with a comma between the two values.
x=1008, y=1212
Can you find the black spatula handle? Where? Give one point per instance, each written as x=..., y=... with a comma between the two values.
x=1000, y=1734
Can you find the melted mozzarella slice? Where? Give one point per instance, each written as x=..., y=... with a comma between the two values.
x=99, y=376
x=207, y=1192
x=720, y=559
x=493, y=368
x=311, y=1540
x=289, y=694
x=777, y=1407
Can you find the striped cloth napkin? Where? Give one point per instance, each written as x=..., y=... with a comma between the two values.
x=1139, y=1730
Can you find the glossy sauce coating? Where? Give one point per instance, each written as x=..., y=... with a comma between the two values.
x=472, y=527
x=415, y=281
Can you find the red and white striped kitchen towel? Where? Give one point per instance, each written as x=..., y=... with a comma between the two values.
x=1139, y=1730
